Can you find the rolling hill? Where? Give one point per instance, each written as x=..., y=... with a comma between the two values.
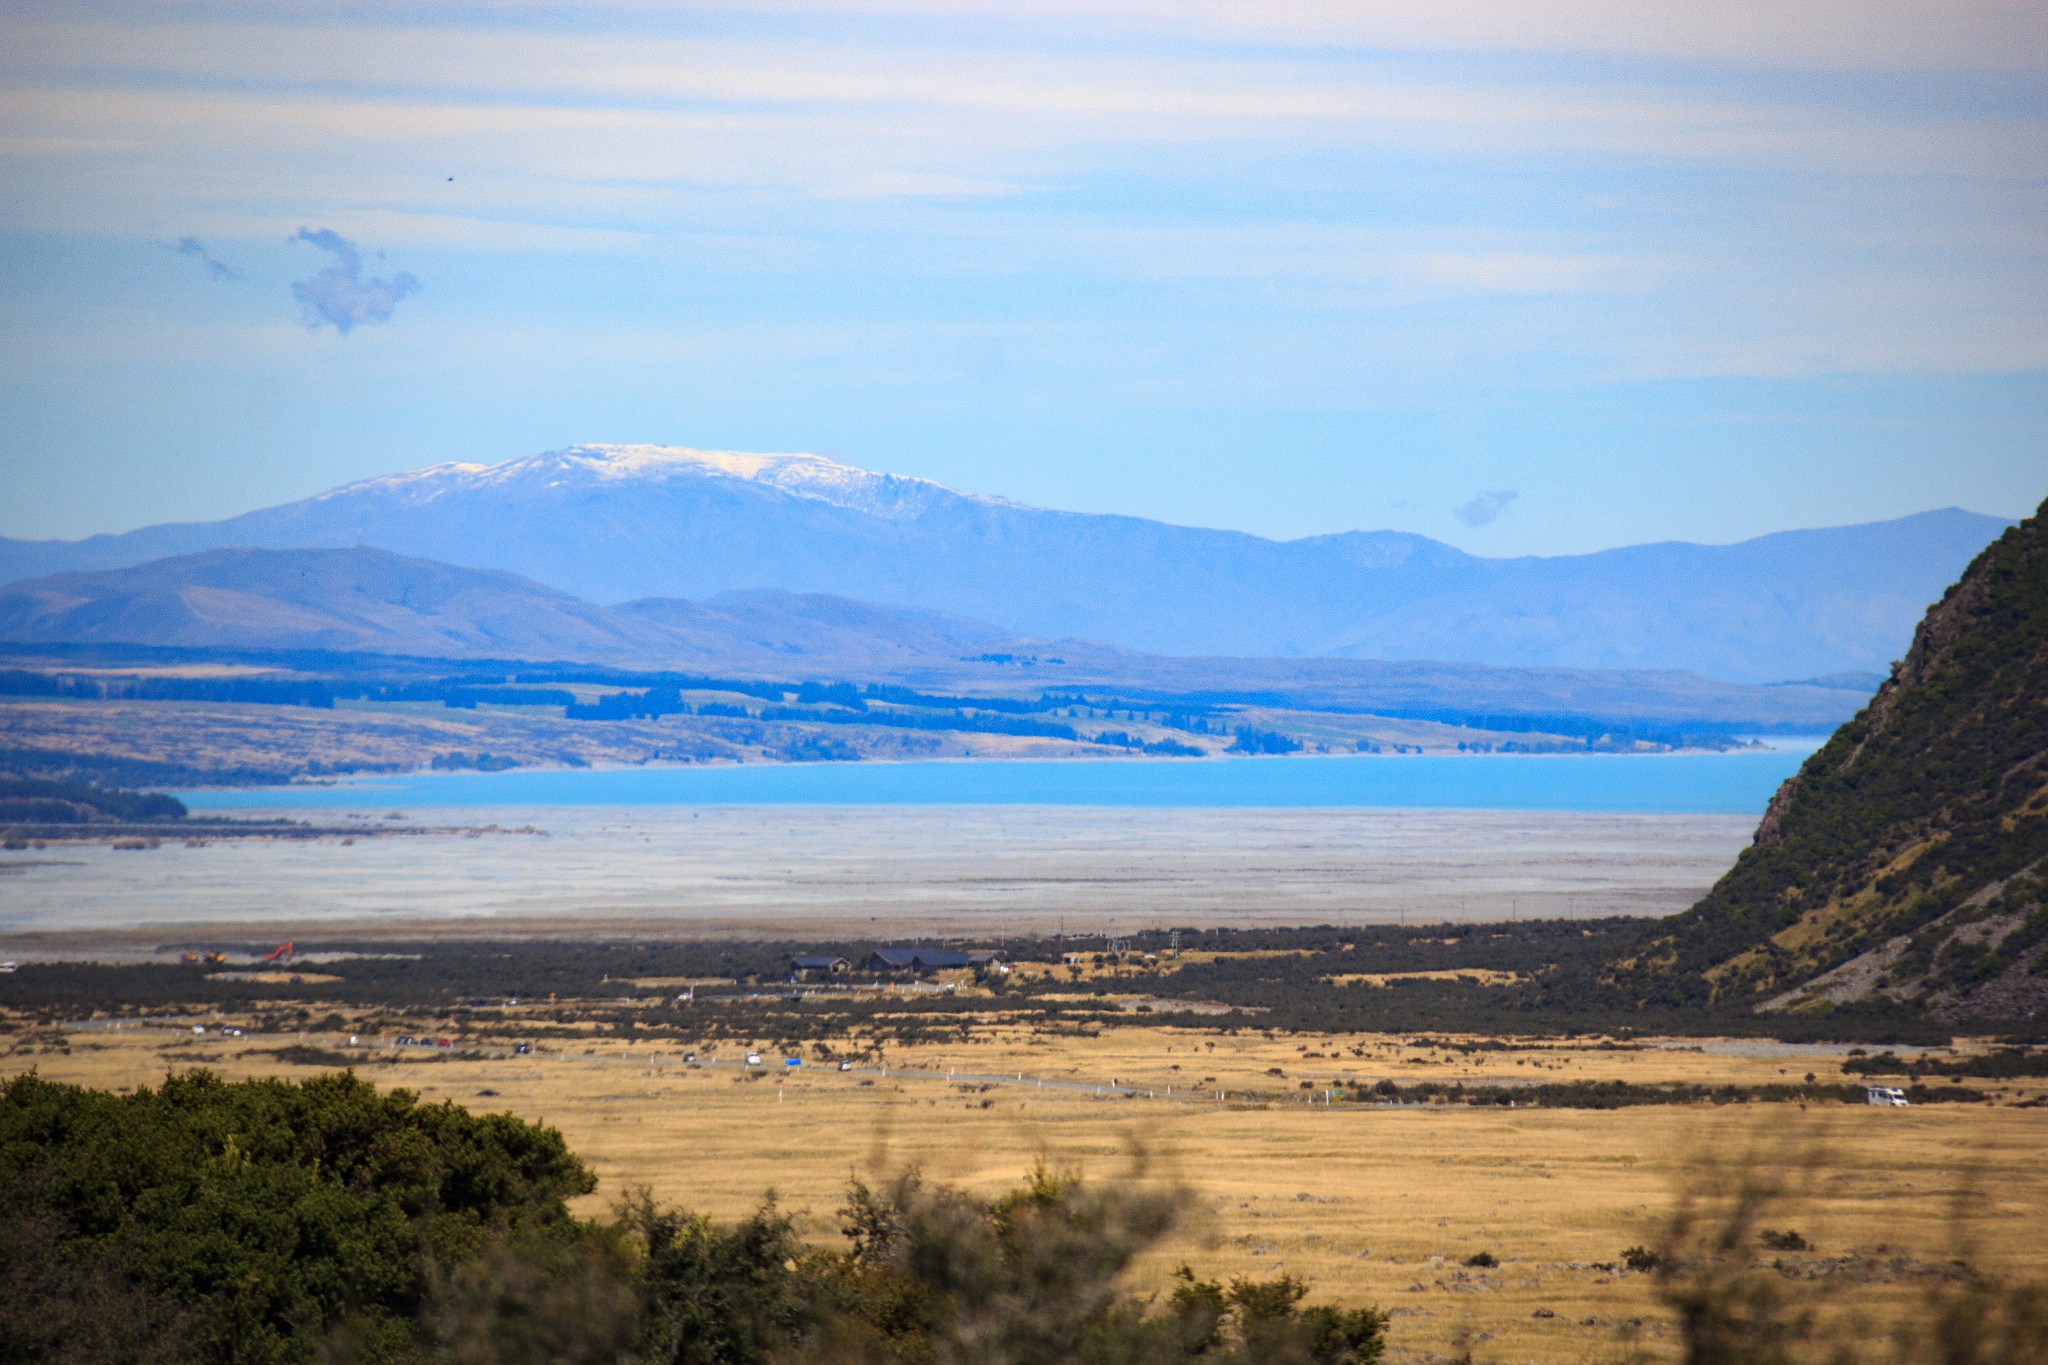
x=614, y=523
x=1903, y=864
x=365, y=600
x=372, y=601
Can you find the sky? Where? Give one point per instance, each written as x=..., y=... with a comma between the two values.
x=1526, y=277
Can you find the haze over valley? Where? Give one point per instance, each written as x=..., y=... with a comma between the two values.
x=612, y=524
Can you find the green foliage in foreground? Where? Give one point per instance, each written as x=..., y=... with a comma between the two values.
x=1735, y=1307
x=261, y=1222
x=241, y=1221
x=930, y=1274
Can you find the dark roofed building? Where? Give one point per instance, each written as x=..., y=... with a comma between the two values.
x=920, y=960
x=805, y=965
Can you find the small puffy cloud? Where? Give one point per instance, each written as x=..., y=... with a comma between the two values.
x=340, y=295
x=1485, y=509
x=193, y=247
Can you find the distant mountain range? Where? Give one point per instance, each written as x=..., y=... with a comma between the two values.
x=372, y=601
x=616, y=523
x=363, y=600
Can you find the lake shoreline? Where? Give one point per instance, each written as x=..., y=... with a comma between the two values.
x=1672, y=783
x=1748, y=745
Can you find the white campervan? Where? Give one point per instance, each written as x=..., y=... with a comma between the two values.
x=1885, y=1096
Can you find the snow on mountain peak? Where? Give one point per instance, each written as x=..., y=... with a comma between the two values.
x=811, y=476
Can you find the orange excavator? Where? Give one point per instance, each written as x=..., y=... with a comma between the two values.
x=281, y=953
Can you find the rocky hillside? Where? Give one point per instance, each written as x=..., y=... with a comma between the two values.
x=1907, y=861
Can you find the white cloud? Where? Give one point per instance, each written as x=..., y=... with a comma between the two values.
x=963, y=100
x=1750, y=220
x=1530, y=272
x=1853, y=35
x=918, y=185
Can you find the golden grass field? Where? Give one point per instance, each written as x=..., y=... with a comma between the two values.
x=1377, y=1205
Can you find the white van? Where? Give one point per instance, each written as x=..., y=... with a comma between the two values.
x=1885, y=1096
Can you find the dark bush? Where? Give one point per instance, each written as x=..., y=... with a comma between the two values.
x=266, y=1223
x=249, y=1220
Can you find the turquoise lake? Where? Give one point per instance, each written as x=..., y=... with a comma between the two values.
x=1686, y=783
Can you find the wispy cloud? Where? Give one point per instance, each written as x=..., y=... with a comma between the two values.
x=1485, y=509
x=340, y=296
x=1528, y=272
x=1426, y=246
x=219, y=269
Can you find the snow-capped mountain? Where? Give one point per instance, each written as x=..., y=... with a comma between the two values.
x=610, y=523
x=889, y=496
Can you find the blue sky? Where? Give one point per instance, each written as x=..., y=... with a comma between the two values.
x=1530, y=278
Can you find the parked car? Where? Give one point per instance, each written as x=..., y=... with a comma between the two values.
x=846, y=1066
x=1886, y=1097
x=522, y=1049
x=442, y=1042
x=753, y=1059
x=405, y=1040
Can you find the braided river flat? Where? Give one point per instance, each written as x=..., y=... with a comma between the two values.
x=955, y=848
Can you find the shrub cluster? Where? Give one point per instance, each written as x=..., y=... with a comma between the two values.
x=267, y=1223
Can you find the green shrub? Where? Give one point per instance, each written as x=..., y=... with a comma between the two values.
x=260, y=1216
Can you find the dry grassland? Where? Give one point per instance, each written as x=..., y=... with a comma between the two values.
x=1484, y=976
x=1373, y=1205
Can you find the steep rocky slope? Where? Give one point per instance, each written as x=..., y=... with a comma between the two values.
x=1904, y=862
